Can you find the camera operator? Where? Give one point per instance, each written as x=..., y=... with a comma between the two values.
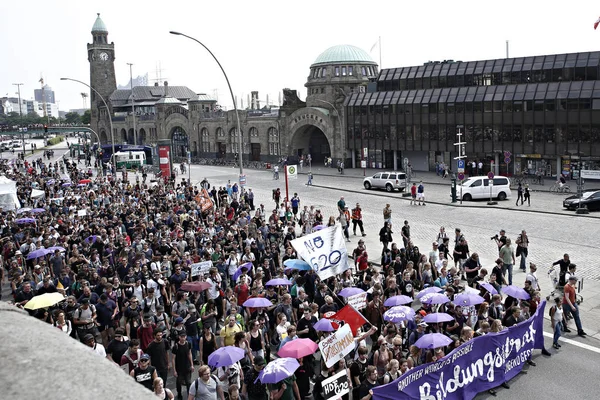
x=500, y=239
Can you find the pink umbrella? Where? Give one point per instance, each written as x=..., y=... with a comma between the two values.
x=298, y=348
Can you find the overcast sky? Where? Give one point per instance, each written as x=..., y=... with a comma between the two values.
x=269, y=45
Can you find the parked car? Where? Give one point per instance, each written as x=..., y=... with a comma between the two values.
x=590, y=198
x=4, y=147
x=478, y=187
x=389, y=181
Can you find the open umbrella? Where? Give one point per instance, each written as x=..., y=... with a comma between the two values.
x=435, y=298
x=44, y=300
x=300, y=265
x=319, y=227
x=38, y=210
x=225, y=356
x=25, y=220
x=91, y=239
x=350, y=291
x=256, y=302
x=468, y=299
x=435, y=318
x=278, y=370
x=54, y=248
x=38, y=253
x=278, y=281
x=399, y=300
x=238, y=271
x=488, y=287
x=432, y=289
x=80, y=185
x=298, y=348
x=516, y=292
x=323, y=325
x=432, y=341
x=66, y=184
x=50, y=182
x=23, y=210
x=195, y=286
x=398, y=314
x=85, y=181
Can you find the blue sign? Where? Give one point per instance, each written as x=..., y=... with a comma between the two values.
x=461, y=163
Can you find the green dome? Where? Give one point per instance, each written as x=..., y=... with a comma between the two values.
x=343, y=54
x=99, y=25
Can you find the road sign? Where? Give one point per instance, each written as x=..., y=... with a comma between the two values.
x=461, y=176
x=242, y=180
x=507, y=160
x=365, y=151
x=490, y=175
x=507, y=154
x=363, y=163
x=461, y=165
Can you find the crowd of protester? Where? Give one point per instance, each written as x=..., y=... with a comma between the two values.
x=126, y=248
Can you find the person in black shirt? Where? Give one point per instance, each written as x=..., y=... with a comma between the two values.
x=182, y=363
x=144, y=373
x=157, y=350
x=117, y=347
x=305, y=326
x=364, y=391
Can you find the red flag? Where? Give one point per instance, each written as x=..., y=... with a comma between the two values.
x=349, y=315
x=597, y=23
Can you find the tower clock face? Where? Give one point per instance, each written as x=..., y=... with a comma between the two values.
x=103, y=56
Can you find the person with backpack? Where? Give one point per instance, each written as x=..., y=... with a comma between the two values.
x=84, y=318
x=182, y=363
x=206, y=386
x=557, y=317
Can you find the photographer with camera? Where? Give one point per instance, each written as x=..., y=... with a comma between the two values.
x=500, y=239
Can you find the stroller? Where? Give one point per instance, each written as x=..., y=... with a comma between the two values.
x=558, y=289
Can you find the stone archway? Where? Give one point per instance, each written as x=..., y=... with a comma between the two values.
x=310, y=139
x=179, y=142
x=103, y=137
x=123, y=136
x=131, y=137
x=142, y=136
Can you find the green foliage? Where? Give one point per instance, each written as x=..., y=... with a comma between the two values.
x=55, y=140
x=87, y=117
x=72, y=118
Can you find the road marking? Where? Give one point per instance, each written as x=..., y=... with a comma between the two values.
x=574, y=343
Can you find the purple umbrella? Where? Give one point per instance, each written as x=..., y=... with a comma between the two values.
x=278, y=370
x=398, y=314
x=91, y=239
x=435, y=298
x=468, y=299
x=432, y=341
x=50, y=182
x=256, y=302
x=516, y=292
x=488, y=287
x=432, y=289
x=323, y=325
x=225, y=356
x=81, y=185
x=435, y=318
x=319, y=227
x=399, y=300
x=278, y=281
x=23, y=210
x=66, y=184
x=38, y=253
x=350, y=291
x=54, y=248
x=25, y=220
x=238, y=271
x=38, y=210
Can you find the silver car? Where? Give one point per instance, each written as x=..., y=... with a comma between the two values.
x=389, y=181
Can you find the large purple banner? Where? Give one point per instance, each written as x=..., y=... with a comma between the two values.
x=480, y=364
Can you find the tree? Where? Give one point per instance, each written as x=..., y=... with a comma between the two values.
x=72, y=118
x=87, y=117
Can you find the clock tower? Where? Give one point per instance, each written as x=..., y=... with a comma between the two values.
x=101, y=56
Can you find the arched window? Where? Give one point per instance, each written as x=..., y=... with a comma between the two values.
x=273, y=136
x=205, y=140
x=233, y=139
x=253, y=132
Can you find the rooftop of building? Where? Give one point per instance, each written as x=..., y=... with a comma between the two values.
x=343, y=54
x=99, y=25
x=150, y=95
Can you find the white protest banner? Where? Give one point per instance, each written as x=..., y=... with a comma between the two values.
x=324, y=250
x=358, y=301
x=336, y=386
x=590, y=174
x=292, y=171
x=335, y=347
x=201, y=268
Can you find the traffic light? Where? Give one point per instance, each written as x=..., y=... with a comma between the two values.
x=45, y=128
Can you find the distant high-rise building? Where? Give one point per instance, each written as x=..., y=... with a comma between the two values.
x=48, y=95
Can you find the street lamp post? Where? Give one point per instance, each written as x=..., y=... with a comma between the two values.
x=18, y=85
x=237, y=117
x=112, y=136
x=135, y=142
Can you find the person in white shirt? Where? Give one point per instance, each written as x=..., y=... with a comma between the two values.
x=434, y=254
x=532, y=277
x=90, y=341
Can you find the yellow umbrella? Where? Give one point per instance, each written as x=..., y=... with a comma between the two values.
x=44, y=300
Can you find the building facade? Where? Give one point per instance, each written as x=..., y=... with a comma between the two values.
x=544, y=110
x=46, y=95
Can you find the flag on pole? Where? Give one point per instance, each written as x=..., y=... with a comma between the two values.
x=374, y=46
x=349, y=315
x=597, y=23
x=292, y=171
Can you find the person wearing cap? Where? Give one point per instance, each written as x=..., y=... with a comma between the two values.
x=570, y=305
x=182, y=363
x=90, y=341
x=84, y=319
x=118, y=346
x=417, y=334
x=253, y=388
x=144, y=373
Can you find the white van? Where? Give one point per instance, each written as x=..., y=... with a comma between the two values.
x=478, y=187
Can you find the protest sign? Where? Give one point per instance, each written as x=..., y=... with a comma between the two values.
x=358, y=301
x=350, y=317
x=335, y=347
x=204, y=200
x=201, y=268
x=324, y=250
x=336, y=386
x=478, y=365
